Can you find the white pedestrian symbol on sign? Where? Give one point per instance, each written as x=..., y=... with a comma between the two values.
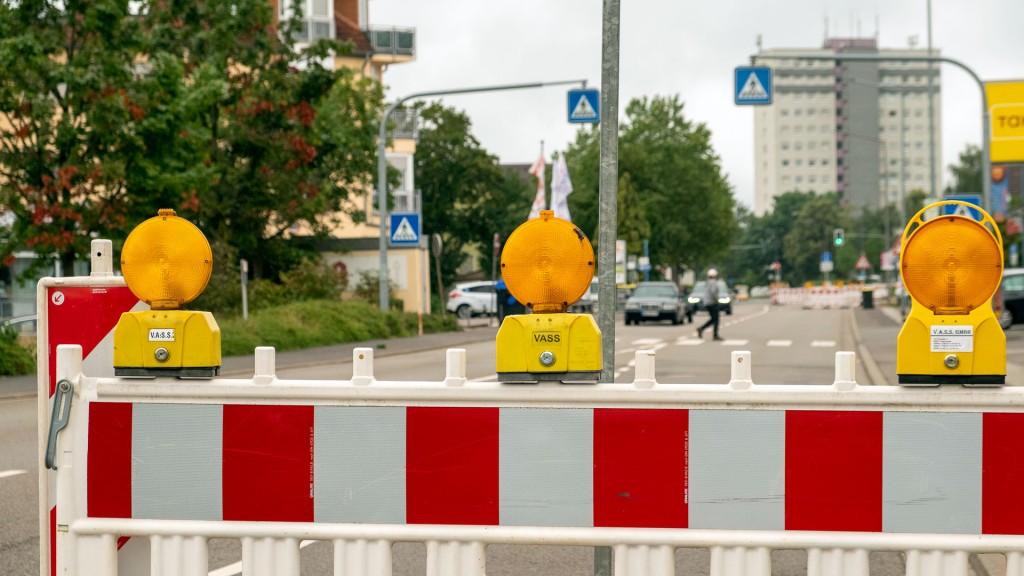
x=583, y=109
x=753, y=90
x=405, y=232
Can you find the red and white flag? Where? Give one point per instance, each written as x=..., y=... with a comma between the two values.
x=561, y=187
x=540, y=200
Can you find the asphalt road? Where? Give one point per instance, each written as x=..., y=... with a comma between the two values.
x=788, y=345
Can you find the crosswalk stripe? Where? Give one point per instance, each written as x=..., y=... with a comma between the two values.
x=779, y=343
x=9, y=473
x=823, y=344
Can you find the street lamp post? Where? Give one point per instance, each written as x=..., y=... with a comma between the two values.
x=382, y=168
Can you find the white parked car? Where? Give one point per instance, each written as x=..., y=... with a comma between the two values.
x=470, y=299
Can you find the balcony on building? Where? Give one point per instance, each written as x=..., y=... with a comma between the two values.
x=391, y=45
x=404, y=124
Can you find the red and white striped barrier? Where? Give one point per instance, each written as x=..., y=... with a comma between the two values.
x=839, y=470
x=819, y=297
x=82, y=311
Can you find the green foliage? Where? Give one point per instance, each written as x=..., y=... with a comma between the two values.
x=15, y=358
x=314, y=323
x=196, y=106
x=368, y=290
x=966, y=173
x=675, y=184
x=467, y=197
x=311, y=279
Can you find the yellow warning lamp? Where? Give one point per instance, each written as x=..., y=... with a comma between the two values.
x=951, y=265
x=547, y=265
x=166, y=262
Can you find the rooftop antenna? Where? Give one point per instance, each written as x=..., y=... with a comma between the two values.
x=912, y=41
x=757, y=43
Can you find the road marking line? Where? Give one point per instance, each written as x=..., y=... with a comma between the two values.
x=734, y=342
x=779, y=343
x=9, y=473
x=689, y=342
x=645, y=342
x=823, y=344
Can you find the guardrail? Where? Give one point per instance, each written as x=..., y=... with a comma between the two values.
x=836, y=469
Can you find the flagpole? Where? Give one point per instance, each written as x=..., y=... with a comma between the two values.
x=543, y=184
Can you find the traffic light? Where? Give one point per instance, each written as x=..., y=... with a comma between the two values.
x=837, y=237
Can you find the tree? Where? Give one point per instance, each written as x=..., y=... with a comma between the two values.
x=285, y=141
x=966, y=173
x=65, y=112
x=677, y=177
x=466, y=196
x=811, y=235
x=199, y=106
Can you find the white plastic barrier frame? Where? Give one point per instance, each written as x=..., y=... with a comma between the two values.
x=87, y=545
x=74, y=310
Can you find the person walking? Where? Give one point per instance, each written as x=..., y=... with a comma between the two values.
x=711, y=304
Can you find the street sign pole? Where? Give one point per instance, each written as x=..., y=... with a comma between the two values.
x=382, y=167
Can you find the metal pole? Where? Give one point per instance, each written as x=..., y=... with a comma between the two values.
x=382, y=167
x=933, y=193
x=986, y=168
x=608, y=214
x=608, y=187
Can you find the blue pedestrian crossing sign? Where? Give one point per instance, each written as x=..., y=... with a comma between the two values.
x=405, y=228
x=753, y=85
x=960, y=209
x=584, y=106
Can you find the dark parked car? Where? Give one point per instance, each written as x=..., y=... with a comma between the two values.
x=1013, y=297
x=695, y=301
x=655, y=301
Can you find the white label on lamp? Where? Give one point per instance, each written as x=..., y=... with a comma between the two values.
x=161, y=335
x=952, y=338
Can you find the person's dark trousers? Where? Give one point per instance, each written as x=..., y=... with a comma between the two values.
x=713, y=321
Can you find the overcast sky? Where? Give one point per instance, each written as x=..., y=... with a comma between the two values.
x=677, y=47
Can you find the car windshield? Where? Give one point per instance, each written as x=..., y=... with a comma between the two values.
x=643, y=291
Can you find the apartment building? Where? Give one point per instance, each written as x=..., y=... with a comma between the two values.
x=859, y=128
x=354, y=247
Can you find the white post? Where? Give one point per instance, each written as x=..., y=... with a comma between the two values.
x=455, y=367
x=644, y=369
x=102, y=258
x=846, y=371
x=362, y=366
x=266, y=365
x=741, y=371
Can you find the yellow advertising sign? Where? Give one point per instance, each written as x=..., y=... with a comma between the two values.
x=1006, y=115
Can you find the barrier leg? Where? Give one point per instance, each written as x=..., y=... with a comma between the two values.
x=179, y=555
x=739, y=561
x=270, y=557
x=835, y=562
x=455, y=558
x=936, y=563
x=94, y=556
x=1015, y=564
x=644, y=561
x=362, y=558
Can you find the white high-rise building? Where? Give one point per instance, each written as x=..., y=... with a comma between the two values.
x=859, y=128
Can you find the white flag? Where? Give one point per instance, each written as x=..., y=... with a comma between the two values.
x=561, y=187
x=540, y=200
